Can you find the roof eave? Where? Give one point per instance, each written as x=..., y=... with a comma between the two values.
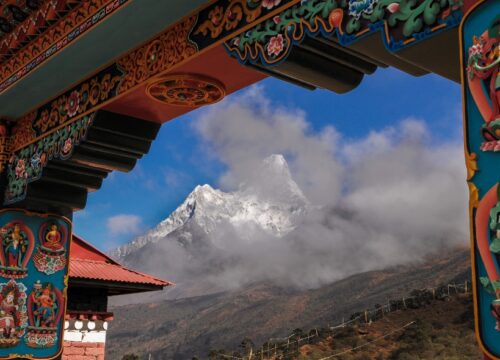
x=116, y=287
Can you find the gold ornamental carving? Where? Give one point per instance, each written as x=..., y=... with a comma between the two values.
x=186, y=90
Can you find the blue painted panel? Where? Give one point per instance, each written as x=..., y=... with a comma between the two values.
x=34, y=254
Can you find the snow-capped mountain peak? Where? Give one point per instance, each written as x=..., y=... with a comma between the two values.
x=277, y=163
x=271, y=201
x=274, y=182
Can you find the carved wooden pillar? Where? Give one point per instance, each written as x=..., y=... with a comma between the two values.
x=480, y=40
x=47, y=167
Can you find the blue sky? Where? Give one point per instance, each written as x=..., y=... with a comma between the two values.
x=178, y=161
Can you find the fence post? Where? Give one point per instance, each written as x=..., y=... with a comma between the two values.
x=344, y=323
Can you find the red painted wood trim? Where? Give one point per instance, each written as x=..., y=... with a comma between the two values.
x=468, y=4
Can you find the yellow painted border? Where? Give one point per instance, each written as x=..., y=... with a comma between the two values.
x=65, y=281
x=473, y=191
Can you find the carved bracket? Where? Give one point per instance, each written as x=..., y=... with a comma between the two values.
x=55, y=171
x=401, y=23
x=26, y=164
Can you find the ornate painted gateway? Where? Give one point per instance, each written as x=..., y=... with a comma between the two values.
x=33, y=284
x=86, y=84
x=481, y=82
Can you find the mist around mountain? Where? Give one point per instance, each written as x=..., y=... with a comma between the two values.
x=204, y=241
x=267, y=230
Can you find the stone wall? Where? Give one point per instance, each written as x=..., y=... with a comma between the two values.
x=84, y=339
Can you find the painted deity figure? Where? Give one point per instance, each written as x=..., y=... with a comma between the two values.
x=51, y=254
x=495, y=249
x=495, y=228
x=13, y=313
x=488, y=244
x=484, y=82
x=53, y=238
x=8, y=309
x=45, y=306
x=15, y=247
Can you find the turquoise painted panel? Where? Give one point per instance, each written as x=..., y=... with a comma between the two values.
x=34, y=254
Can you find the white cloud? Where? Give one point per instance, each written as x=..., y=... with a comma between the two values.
x=391, y=197
x=245, y=130
x=124, y=224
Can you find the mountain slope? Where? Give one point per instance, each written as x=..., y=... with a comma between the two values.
x=441, y=328
x=180, y=329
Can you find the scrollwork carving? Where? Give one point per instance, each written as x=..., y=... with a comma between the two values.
x=169, y=49
x=402, y=21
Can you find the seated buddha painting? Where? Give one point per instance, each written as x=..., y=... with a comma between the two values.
x=51, y=252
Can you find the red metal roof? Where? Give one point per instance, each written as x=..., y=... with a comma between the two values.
x=86, y=262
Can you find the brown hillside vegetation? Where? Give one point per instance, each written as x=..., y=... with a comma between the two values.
x=183, y=328
x=440, y=329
